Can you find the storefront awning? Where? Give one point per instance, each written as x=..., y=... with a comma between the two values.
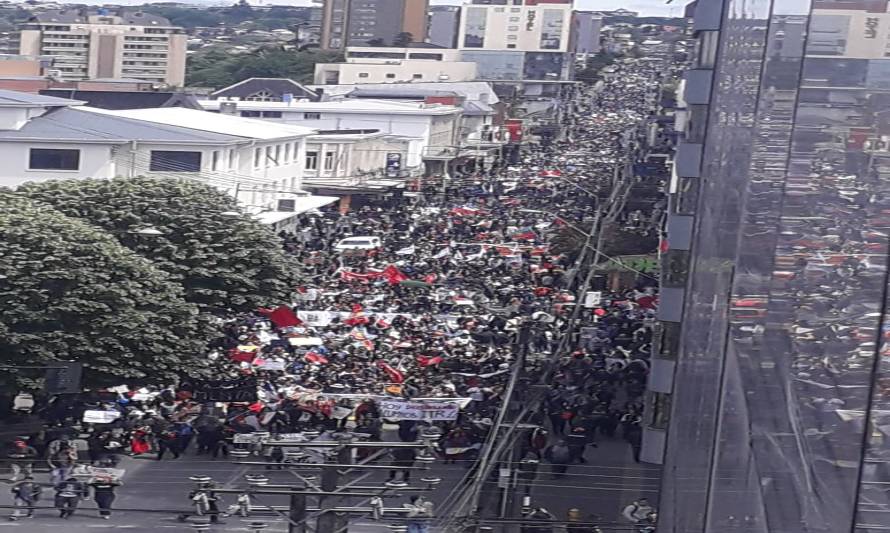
x=302, y=204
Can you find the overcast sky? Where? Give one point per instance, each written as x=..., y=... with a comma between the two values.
x=646, y=7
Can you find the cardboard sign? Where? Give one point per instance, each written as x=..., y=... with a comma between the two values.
x=305, y=341
x=114, y=473
x=100, y=417
x=408, y=410
x=273, y=365
x=592, y=299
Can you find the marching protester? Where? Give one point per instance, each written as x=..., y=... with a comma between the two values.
x=103, y=492
x=68, y=495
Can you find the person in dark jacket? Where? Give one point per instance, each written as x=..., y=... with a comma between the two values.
x=402, y=457
x=103, y=493
x=68, y=496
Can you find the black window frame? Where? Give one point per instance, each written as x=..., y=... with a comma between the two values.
x=174, y=165
x=61, y=153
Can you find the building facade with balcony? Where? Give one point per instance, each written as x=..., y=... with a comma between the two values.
x=88, y=44
x=363, y=22
x=432, y=131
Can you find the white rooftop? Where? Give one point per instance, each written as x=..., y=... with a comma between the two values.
x=342, y=106
x=212, y=122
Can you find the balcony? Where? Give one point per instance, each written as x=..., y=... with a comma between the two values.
x=440, y=153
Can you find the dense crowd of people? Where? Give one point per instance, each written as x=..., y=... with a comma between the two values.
x=465, y=283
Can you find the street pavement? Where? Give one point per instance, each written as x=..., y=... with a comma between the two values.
x=154, y=492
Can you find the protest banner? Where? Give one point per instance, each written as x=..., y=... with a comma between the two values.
x=115, y=474
x=100, y=417
x=272, y=365
x=413, y=410
x=231, y=390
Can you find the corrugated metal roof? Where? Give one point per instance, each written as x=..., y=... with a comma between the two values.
x=19, y=99
x=244, y=128
x=80, y=125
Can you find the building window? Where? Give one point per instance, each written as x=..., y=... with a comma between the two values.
x=311, y=116
x=286, y=153
x=474, y=33
x=231, y=159
x=251, y=114
x=262, y=96
x=278, y=160
x=329, y=160
x=174, y=161
x=53, y=159
x=417, y=76
x=257, y=157
x=514, y=19
x=214, y=160
x=271, y=114
x=268, y=162
x=512, y=28
x=511, y=46
x=362, y=74
x=296, y=151
x=311, y=160
x=390, y=76
x=551, y=30
x=512, y=37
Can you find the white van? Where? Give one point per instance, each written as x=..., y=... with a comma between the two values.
x=358, y=243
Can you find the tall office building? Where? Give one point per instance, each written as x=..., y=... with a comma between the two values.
x=518, y=39
x=98, y=44
x=588, y=26
x=770, y=381
x=444, y=22
x=363, y=22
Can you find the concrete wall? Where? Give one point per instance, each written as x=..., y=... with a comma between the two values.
x=95, y=162
x=398, y=71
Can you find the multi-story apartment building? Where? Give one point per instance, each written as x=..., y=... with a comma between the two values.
x=88, y=44
x=375, y=22
x=769, y=376
x=518, y=39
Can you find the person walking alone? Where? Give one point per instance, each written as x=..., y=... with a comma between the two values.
x=25, y=495
x=68, y=496
x=103, y=492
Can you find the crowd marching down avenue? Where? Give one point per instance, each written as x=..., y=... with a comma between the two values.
x=457, y=318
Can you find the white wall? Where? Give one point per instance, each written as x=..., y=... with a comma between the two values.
x=396, y=72
x=525, y=23
x=96, y=161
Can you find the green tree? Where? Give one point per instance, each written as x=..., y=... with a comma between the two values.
x=218, y=69
x=223, y=263
x=71, y=292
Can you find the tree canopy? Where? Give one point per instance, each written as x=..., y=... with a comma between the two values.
x=216, y=68
x=223, y=263
x=71, y=292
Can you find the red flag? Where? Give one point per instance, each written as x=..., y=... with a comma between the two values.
x=466, y=211
x=525, y=236
x=346, y=275
x=394, y=375
x=550, y=173
x=315, y=357
x=357, y=308
x=664, y=246
x=241, y=357
x=430, y=278
x=425, y=361
x=393, y=275
x=282, y=317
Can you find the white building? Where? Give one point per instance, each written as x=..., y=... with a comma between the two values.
x=525, y=40
x=368, y=64
x=432, y=130
x=45, y=138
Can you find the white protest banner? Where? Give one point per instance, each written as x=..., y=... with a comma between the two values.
x=409, y=410
x=339, y=413
x=100, y=417
x=246, y=438
x=592, y=299
x=114, y=473
x=316, y=318
x=272, y=365
x=305, y=341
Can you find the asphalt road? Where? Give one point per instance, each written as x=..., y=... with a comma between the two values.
x=154, y=491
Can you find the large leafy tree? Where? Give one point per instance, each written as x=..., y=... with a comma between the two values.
x=216, y=68
x=71, y=292
x=224, y=263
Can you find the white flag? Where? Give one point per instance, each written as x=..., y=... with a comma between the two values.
x=406, y=251
x=458, y=256
x=444, y=252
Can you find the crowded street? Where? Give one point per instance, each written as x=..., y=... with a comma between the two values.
x=437, y=318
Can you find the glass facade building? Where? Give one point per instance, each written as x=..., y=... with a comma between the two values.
x=770, y=390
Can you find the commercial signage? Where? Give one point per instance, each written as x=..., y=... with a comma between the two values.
x=393, y=164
